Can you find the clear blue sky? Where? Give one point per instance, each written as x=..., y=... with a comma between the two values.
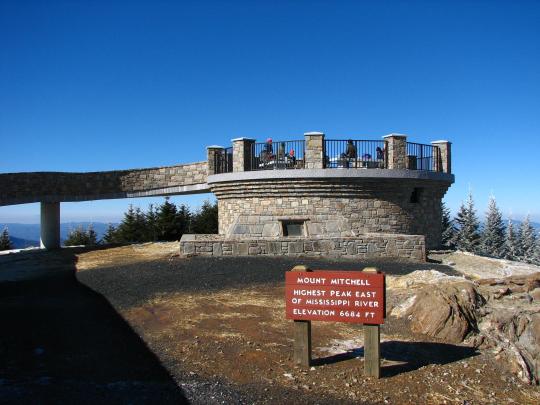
x=107, y=85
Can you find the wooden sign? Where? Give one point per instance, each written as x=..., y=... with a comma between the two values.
x=336, y=296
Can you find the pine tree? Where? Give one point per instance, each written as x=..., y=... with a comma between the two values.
x=167, y=221
x=111, y=235
x=151, y=224
x=511, y=242
x=536, y=256
x=127, y=230
x=494, y=231
x=526, y=241
x=206, y=219
x=76, y=237
x=447, y=226
x=5, y=241
x=185, y=219
x=91, y=236
x=467, y=236
x=140, y=226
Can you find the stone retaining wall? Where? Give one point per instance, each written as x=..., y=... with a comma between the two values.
x=410, y=247
x=20, y=188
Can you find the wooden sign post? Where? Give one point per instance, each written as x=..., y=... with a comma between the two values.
x=302, y=335
x=342, y=296
x=372, y=342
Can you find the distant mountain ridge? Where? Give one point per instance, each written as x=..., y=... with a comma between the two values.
x=29, y=234
x=25, y=235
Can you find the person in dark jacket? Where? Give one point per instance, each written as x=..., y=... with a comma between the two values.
x=350, y=152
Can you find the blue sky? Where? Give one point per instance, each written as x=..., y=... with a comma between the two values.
x=88, y=86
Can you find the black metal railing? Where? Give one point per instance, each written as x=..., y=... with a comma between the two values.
x=423, y=157
x=277, y=155
x=223, y=161
x=355, y=154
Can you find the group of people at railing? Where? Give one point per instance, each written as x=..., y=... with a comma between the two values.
x=282, y=159
x=340, y=154
x=350, y=158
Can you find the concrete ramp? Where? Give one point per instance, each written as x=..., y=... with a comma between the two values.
x=48, y=187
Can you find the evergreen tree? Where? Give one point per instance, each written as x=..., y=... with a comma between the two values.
x=526, y=241
x=111, y=235
x=76, y=237
x=168, y=222
x=467, y=236
x=151, y=224
x=447, y=227
x=185, y=219
x=91, y=236
x=536, y=256
x=141, y=231
x=206, y=219
x=494, y=231
x=5, y=241
x=511, y=242
x=127, y=230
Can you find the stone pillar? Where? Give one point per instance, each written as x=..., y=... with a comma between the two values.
x=314, y=152
x=211, y=152
x=396, y=151
x=242, y=154
x=444, y=161
x=50, y=225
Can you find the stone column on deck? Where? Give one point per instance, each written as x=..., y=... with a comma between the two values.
x=396, y=151
x=242, y=154
x=314, y=152
x=444, y=160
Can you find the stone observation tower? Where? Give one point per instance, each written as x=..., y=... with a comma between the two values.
x=313, y=196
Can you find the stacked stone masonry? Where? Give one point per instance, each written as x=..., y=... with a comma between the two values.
x=330, y=208
x=409, y=247
x=19, y=188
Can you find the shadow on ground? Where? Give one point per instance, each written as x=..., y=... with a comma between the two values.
x=62, y=342
x=221, y=273
x=409, y=355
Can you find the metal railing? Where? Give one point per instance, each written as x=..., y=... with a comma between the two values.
x=223, y=161
x=277, y=155
x=365, y=154
x=423, y=157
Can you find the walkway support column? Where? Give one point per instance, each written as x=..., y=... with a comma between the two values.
x=396, y=151
x=444, y=163
x=50, y=225
x=314, y=153
x=242, y=154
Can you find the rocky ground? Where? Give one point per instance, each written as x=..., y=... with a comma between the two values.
x=140, y=324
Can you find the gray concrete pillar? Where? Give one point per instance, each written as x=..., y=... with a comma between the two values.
x=396, y=152
x=314, y=153
x=444, y=160
x=50, y=225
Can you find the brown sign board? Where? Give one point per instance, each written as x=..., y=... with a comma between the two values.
x=336, y=296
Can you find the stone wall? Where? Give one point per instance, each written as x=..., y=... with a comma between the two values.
x=19, y=188
x=331, y=208
x=410, y=247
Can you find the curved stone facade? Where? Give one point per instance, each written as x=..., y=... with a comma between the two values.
x=347, y=204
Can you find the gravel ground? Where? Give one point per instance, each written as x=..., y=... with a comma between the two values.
x=215, y=274
x=132, y=327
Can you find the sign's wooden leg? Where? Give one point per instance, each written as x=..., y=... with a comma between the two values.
x=372, y=350
x=302, y=343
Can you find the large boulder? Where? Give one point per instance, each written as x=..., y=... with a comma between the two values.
x=447, y=311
